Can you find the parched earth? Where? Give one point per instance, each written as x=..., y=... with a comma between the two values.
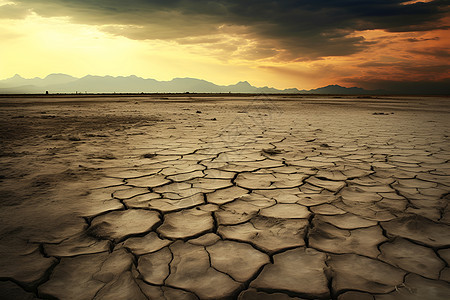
x=256, y=197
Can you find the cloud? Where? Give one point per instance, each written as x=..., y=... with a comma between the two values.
x=13, y=11
x=401, y=71
x=423, y=77
x=443, y=53
x=299, y=29
x=416, y=40
x=424, y=87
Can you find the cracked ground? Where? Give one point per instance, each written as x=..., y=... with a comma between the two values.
x=224, y=197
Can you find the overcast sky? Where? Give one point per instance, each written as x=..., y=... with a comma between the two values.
x=302, y=43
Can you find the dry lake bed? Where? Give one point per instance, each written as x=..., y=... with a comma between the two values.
x=224, y=197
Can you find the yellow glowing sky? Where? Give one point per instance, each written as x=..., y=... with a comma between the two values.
x=35, y=46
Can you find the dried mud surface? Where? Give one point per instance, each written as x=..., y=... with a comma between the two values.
x=224, y=197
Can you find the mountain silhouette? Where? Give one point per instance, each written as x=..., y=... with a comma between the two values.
x=62, y=83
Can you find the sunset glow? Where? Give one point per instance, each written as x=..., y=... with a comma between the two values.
x=221, y=42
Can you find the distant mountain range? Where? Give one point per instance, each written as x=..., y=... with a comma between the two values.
x=62, y=83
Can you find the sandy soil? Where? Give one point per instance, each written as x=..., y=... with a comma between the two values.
x=257, y=197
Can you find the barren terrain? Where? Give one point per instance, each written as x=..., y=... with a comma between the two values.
x=224, y=197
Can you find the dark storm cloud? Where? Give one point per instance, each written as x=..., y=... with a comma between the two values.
x=305, y=29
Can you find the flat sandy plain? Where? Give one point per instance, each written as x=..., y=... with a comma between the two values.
x=224, y=197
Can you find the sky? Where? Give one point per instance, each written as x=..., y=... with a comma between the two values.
x=374, y=44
